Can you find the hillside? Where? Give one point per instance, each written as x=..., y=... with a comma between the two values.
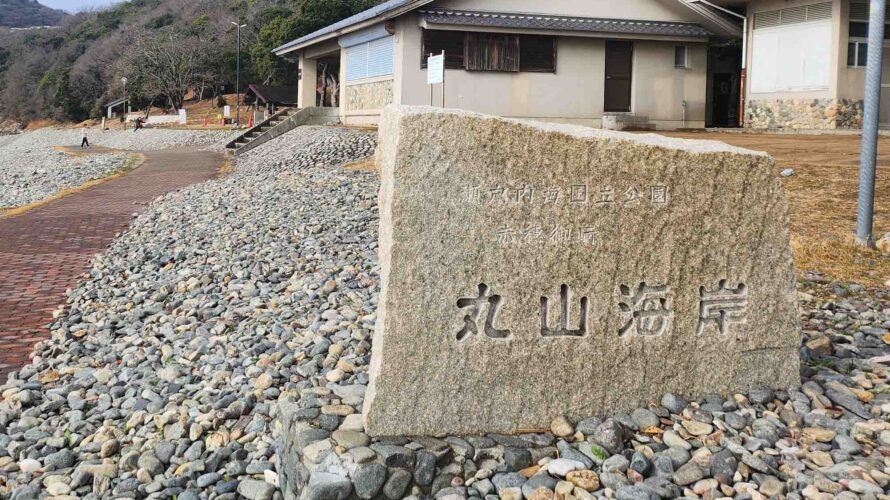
x=67, y=74
x=28, y=13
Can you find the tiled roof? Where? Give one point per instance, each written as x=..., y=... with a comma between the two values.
x=562, y=23
x=394, y=8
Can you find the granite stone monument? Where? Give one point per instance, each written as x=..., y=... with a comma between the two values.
x=531, y=271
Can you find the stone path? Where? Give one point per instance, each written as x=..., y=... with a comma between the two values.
x=45, y=251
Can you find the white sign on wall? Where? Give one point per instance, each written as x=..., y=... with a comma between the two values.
x=227, y=111
x=435, y=72
x=183, y=117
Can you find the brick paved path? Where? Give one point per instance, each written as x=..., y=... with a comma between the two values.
x=47, y=250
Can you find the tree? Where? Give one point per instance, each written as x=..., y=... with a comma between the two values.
x=166, y=64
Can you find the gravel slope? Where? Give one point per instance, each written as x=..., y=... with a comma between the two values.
x=160, y=370
x=245, y=305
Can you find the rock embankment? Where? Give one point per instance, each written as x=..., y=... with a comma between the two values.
x=166, y=365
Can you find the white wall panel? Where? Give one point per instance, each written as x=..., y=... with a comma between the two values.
x=791, y=58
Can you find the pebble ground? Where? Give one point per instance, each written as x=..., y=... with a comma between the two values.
x=237, y=315
x=47, y=250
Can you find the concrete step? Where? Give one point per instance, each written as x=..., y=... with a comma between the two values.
x=626, y=121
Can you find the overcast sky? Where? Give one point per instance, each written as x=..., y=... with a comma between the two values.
x=77, y=5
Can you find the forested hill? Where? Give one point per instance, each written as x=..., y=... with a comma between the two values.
x=68, y=73
x=28, y=13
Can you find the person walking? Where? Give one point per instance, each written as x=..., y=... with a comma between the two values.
x=84, y=132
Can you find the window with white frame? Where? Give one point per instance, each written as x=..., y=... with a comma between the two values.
x=857, y=46
x=681, y=57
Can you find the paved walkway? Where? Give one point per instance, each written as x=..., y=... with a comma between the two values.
x=47, y=250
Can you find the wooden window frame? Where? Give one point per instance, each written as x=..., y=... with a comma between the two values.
x=424, y=53
x=553, y=41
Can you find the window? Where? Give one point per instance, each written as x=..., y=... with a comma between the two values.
x=537, y=53
x=370, y=59
x=857, y=54
x=491, y=51
x=451, y=42
x=857, y=48
x=681, y=57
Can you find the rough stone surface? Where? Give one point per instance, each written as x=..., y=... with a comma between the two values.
x=522, y=216
x=804, y=114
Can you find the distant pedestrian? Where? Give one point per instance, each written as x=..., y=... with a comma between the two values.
x=84, y=132
x=139, y=124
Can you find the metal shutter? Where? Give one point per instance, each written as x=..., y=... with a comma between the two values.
x=357, y=62
x=370, y=59
x=380, y=57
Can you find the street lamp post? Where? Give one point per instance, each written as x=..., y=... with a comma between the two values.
x=238, y=74
x=124, y=83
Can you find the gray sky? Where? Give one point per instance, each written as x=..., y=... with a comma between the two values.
x=77, y=5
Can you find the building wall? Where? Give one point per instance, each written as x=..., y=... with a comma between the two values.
x=366, y=96
x=839, y=105
x=574, y=94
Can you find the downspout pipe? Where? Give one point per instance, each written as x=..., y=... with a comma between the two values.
x=744, y=76
x=868, y=156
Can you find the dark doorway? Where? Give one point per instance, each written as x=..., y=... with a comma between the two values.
x=619, y=73
x=724, y=83
x=328, y=82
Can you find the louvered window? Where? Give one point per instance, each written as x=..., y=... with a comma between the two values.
x=793, y=15
x=861, y=11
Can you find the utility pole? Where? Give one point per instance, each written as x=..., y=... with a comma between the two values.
x=869, y=155
x=238, y=25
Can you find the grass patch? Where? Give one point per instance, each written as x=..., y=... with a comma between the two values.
x=823, y=196
x=366, y=165
x=228, y=167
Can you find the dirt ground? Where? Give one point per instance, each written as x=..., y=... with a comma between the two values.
x=823, y=197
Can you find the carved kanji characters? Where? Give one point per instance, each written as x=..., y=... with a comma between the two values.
x=552, y=195
x=506, y=235
x=721, y=307
x=533, y=233
x=580, y=194
x=659, y=195
x=562, y=329
x=606, y=196
x=646, y=311
x=496, y=195
x=524, y=194
x=474, y=308
x=631, y=196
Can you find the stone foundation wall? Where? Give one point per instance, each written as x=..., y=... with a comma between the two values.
x=365, y=96
x=815, y=114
